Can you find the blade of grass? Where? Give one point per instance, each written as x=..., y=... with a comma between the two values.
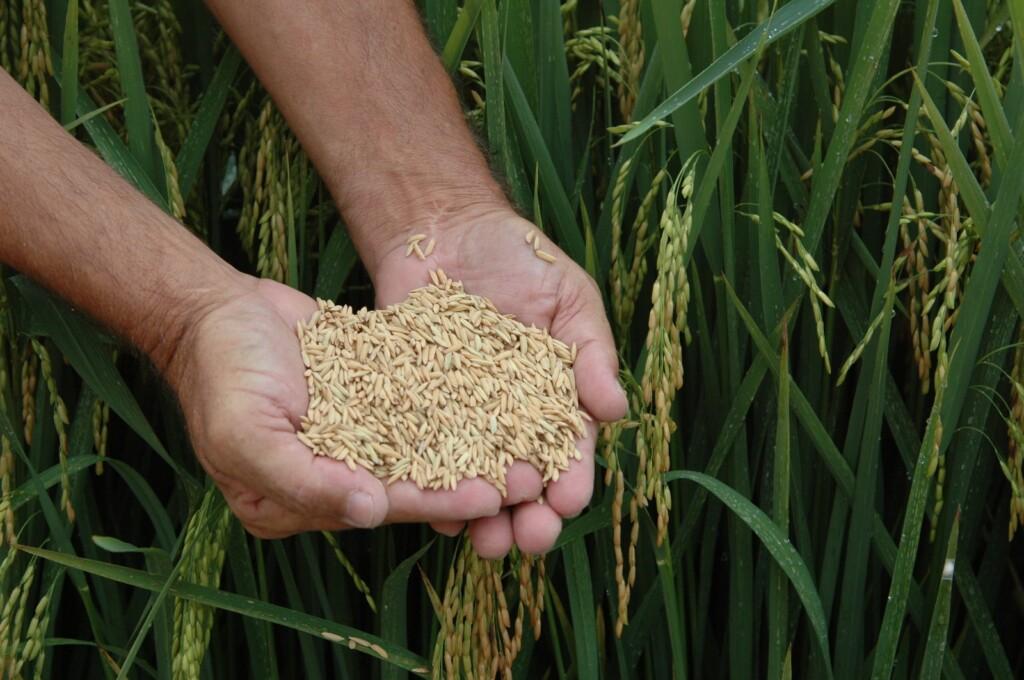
x=553, y=107
x=328, y=630
x=984, y=626
x=569, y=235
x=394, y=605
x=980, y=290
x=581, y=604
x=69, y=68
x=778, y=593
x=258, y=635
x=190, y=156
x=781, y=550
x=58, y=534
x=995, y=115
x=457, y=39
x=312, y=664
x=781, y=23
x=49, y=478
x=82, y=120
x=79, y=342
x=112, y=149
x=136, y=109
x=938, y=631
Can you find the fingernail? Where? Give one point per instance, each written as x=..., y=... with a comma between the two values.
x=359, y=510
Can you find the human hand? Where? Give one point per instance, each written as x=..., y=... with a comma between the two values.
x=238, y=373
x=488, y=253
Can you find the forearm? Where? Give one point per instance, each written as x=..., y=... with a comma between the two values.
x=372, y=105
x=72, y=224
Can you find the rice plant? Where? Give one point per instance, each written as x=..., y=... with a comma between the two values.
x=802, y=218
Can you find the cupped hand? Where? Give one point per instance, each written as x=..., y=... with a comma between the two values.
x=238, y=373
x=491, y=257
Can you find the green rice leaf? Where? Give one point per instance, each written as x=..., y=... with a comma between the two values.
x=190, y=157
x=394, y=605
x=781, y=550
x=791, y=15
x=938, y=632
x=327, y=630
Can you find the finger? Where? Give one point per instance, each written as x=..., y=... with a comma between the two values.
x=535, y=527
x=492, y=536
x=571, y=492
x=472, y=498
x=524, y=483
x=286, y=471
x=581, y=319
x=450, y=529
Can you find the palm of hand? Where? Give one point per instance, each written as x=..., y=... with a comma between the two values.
x=243, y=393
x=492, y=259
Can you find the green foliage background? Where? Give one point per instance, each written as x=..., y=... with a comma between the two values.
x=812, y=205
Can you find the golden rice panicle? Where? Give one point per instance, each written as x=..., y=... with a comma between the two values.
x=60, y=423
x=29, y=379
x=638, y=268
x=916, y=247
x=100, y=430
x=8, y=533
x=272, y=172
x=13, y=606
x=33, y=67
x=439, y=388
x=663, y=373
x=478, y=638
x=33, y=651
x=347, y=565
x=202, y=559
x=631, y=55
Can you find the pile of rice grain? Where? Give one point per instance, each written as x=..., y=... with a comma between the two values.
x=439, y=388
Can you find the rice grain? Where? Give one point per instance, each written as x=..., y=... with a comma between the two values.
x=437, y=389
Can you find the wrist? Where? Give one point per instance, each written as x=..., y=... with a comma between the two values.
x=381, y=221
x=167, y=334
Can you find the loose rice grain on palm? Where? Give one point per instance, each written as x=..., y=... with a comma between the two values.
x=439, y=388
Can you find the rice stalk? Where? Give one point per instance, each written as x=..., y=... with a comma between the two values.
x=12, y=617
x=478, y=638
x=33, y=651
x=805, y=267
x=33, y=66
x=272, y=167
x=60, y=424
x=159, y=35
x=627, y=282
x=631, y=55
x=29, y=379
x=594, y=49
x=100, y=430
x=916, y=250
x=686, y=16
x=347, y=565
x=617, y=273
x=7, y=519
x=202, y=560
x=666, y=329
x=1013, y=468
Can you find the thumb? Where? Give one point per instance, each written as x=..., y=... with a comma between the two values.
x=321, y=487
x=581, y=320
